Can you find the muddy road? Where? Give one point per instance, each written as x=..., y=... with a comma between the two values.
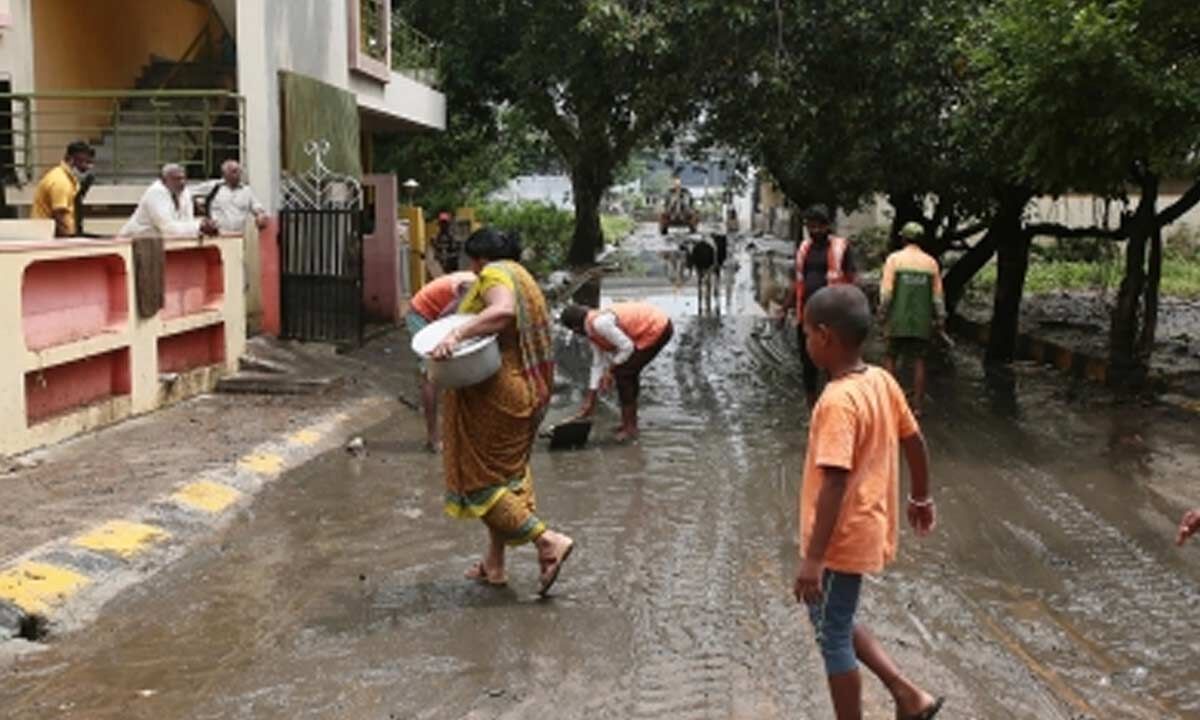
x=1050, y=589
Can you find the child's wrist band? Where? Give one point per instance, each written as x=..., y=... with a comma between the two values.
x=927, y=502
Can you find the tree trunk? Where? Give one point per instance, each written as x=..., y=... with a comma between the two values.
x=1123, y=330
x=1127, y=369
x=588, y=188
x=1012, y=262
x=965, y=269
x=588, y=239
x=1153, y=281
x=907, y=210
x=1005, y=223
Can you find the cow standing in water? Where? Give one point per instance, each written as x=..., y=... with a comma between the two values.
x=706, y=257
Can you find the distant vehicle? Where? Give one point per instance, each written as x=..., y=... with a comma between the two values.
x=679, y=210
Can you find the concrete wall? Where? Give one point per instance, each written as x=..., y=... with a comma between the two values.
x=1070, y=210
x=382, y=282
x=1088, y=211
x=80, y=357
x=103, y=44
x=310, y=37
x=419, y=106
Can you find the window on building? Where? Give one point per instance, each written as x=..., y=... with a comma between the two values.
x=371, y=38
x=374, y=34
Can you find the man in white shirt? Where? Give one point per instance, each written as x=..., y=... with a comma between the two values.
x=165, y=209
x=625, y=337
x=230, y=202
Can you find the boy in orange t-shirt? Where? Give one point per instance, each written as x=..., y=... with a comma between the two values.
x=849, y=503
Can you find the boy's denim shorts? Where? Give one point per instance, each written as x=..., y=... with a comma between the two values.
x=833, y=620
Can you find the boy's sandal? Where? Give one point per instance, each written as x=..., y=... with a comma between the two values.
x=930, y=712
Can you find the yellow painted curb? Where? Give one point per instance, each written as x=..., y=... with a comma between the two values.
x=121, y=537
x=307, y=438
x=206, y=496
x=262, y=463
x=36, y=587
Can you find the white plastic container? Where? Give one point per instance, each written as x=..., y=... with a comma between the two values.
x=474, y=360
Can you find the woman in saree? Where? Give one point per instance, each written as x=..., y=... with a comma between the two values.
x=488, y=429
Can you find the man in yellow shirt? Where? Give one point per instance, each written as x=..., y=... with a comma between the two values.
x=54, y=198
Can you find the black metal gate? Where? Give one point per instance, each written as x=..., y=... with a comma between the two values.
x=321, y=266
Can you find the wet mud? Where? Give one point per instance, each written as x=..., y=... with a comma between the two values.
x=1081, y=319
x=1050, y=589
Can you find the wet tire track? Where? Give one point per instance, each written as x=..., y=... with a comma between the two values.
x=1071, y=596
x=1124, y=595
x=682, y=626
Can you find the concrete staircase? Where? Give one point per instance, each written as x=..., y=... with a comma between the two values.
x=147, y=132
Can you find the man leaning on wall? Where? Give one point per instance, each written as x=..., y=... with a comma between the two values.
x=230, y=202
x=54, y=198
x=165, y=210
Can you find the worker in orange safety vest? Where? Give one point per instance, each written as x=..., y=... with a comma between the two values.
x=822, y=259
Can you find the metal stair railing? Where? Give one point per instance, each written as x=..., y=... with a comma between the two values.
x=414, y=53
x=134, y=132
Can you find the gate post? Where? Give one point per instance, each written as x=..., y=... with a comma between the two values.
x=418, y=244
x=269, y=269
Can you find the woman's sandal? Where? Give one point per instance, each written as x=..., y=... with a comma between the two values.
x=479, y=573
x=550, y=574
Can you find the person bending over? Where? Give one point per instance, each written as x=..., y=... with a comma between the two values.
x=625, y=338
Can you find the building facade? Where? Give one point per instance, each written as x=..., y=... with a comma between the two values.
x=199, y=81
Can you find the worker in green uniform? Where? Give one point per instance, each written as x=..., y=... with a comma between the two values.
x=912, y=307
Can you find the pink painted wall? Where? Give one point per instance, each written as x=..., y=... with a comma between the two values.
x=64, y=301
x=381, y=253
x=68, y=387
x=193, y=281
x=268, y=261
x=191, y=350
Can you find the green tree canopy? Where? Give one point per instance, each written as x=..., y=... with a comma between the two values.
x=844, y=99
x=599, y=77
x=1097, y=96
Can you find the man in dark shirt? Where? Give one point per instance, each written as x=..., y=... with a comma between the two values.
x=446, y=247
x=822, y=259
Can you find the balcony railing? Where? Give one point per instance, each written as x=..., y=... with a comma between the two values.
x=134, y=132
x=414, y=53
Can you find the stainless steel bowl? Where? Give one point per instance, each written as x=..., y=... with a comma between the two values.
x=473, y=362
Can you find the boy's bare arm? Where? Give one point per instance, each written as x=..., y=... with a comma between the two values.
x=829, y=507
x=921, y=513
